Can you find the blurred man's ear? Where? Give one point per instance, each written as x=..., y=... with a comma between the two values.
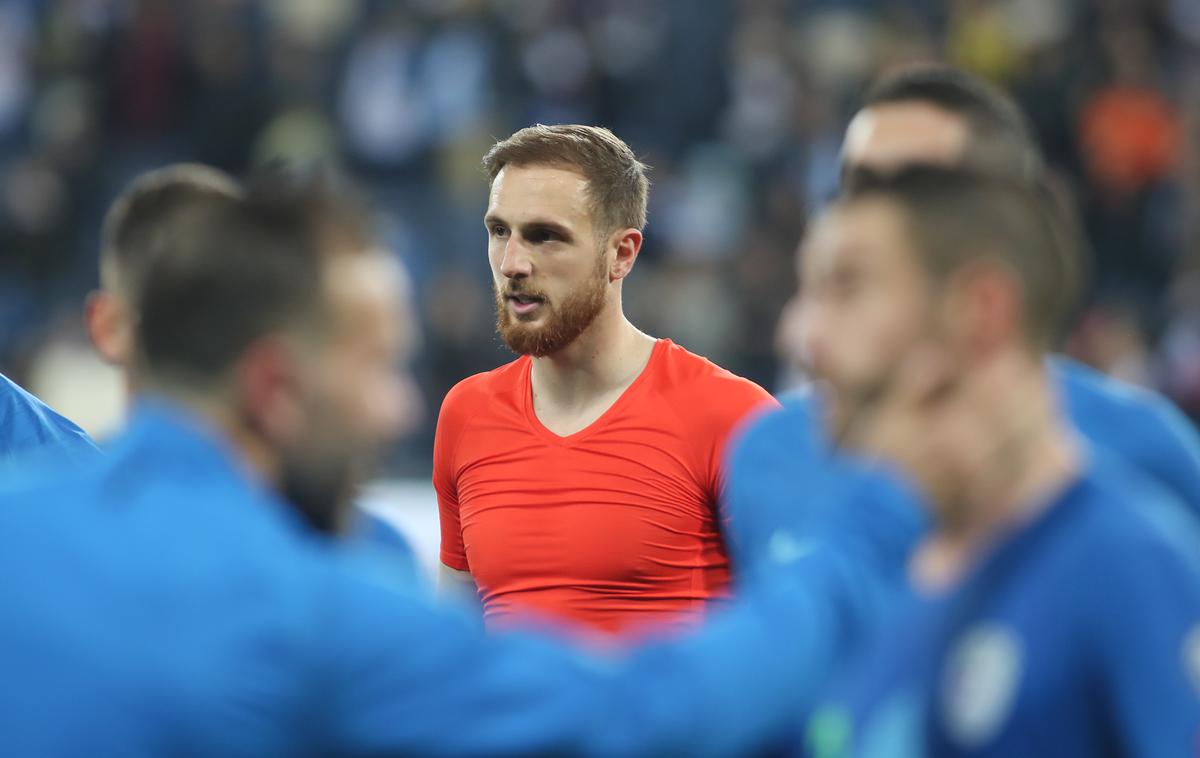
x=269, y=396
x=984, y=306
x=107, y=321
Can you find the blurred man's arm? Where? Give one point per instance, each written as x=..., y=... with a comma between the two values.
x=1147, y=626
x=399, y=675
x=458, y=585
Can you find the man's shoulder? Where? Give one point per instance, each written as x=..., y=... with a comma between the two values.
x=1137, y=424
x=30, y=425
x=1087, y=389
x=687, y=375
x=167, y=523
x=1112, y=523
x=1111, y=555
x=791, y=422
x=480, y=390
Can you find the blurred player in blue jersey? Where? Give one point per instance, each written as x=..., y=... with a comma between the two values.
x=169, y=598
x=32, y=432
x=1044, y=614
x=143, y=224
x=779, y=475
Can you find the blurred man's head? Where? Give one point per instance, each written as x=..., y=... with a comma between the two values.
x=937, y=115
x=141, y=223
x=928, y=257
x=565, y=216
x=943, y=116
x=278, y=314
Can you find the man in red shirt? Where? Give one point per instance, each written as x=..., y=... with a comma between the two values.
x=581, y=481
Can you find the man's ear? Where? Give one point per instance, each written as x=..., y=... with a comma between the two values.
x=628, y=243
x=109, y=325
x=267, y=387
x=984, y=306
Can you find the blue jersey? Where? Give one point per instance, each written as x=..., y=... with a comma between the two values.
x=31, y=430
x=1140, y=427
x=377, y=536
x=1076, y=635
x=160, y=600
x=780, y=473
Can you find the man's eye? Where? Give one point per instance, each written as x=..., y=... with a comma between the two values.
x=499, y=231
x=542, y=235
x=846, y=284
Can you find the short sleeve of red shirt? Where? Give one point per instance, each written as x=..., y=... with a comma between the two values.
x=727, y=401
x=456, y=411
x=612, y=526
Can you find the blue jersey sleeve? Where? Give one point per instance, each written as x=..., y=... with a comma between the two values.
x=1140, y=426
x=378, y=538
x=1173, y=450
x=400, y=676
x=30, y=431
x=1148, y=636
x=761, y=479
x=779, y=477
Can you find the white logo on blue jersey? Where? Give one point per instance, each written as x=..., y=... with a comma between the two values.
x=1191, y=656
x=980, y=683
x=785, y=548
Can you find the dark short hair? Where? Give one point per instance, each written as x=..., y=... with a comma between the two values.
x=239, y=270
x=1000, y=139
x=143, y=220
x=616, y=180
x=957, y=215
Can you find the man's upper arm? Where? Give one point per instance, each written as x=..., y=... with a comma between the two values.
x=773, y=481
x=1149, y=611
x=37, y=434
x=734, y=403
x=745, y=528
x=398, y=675
x=1177, y=450
x=445, y=443
x=1141, y=426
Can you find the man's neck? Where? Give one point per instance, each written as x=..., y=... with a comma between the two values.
x=1022, y=457
x=608, y=356
x=252, y=453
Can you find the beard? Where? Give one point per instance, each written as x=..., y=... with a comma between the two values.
x=321, y=488
x=321, y=476
x=562, y=324
x=850, y=404
x=847, y=408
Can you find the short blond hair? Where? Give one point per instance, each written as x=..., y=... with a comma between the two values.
x=617, y=186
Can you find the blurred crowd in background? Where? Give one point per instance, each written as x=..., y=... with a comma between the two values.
x=737, y=105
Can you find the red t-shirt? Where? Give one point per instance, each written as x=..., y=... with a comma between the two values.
x=614, y=526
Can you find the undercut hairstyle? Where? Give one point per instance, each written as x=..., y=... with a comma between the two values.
x=145, y=219
x=1000, y=139
x=242, y=269
x=617, y=187
x=957, y=216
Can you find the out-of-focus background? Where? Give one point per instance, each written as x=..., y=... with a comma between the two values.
x=738, y=105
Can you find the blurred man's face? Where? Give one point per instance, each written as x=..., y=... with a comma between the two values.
x=549, y=269
x=357, y=394
x=890, y=136
x=866, y=301
x=885, y=137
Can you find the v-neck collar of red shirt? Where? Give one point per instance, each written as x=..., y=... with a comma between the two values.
x=660, y=348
